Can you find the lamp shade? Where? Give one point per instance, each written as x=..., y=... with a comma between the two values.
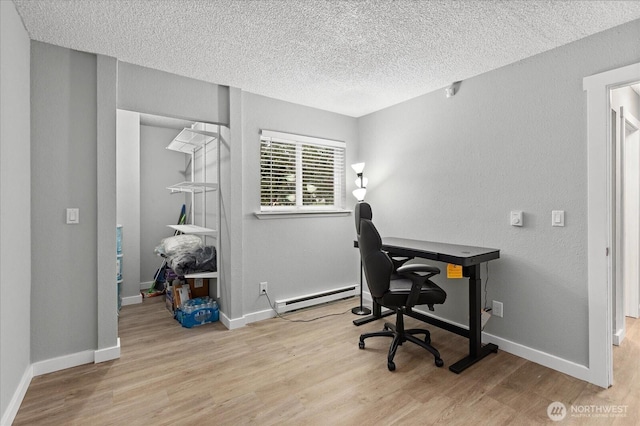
x=359, y=193
x=358, y=167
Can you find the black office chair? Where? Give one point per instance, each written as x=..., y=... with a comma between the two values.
x=415, y=288
x=363, y=211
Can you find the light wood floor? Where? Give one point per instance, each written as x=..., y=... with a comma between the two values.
x=279, y=372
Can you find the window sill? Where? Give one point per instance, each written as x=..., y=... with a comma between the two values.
x=301, y=213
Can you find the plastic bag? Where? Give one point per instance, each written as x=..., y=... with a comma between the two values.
x=202, y=259
x=179, y=244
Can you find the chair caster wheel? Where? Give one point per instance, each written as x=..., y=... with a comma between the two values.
x=439, y=362
x=391, y=366
x=361, y=345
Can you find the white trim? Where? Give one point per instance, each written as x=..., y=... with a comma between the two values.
x=534, y=355
x=630, y=292
x=618, y=336
x=291, y=137
x=63, y=362
x=76, y=359
x=146, y=285
x=132, y=300
x=539, y=357
x=288, y=214
x=11, y=411
x=107, y=354
x=234, y=323
x=259, y=316
x=530, y=354
x=600, y=370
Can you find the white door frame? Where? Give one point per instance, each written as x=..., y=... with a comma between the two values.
x=630, y=292
x=599, y=151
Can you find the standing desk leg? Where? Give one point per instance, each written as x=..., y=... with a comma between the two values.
x=476, y=350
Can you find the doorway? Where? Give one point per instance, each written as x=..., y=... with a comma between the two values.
x=625, y=206
x=600, y=222
x=154, y=179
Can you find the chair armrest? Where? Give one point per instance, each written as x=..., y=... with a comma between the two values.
x=418, y=267
x=417, y=280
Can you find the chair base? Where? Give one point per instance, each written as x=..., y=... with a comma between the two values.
x=400, y=335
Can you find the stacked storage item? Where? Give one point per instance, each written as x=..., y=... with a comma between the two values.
x=119, y=264
x=198, y=311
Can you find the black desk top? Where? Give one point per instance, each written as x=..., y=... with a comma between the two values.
x=443, y=252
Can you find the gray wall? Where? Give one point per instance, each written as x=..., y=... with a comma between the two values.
x=156, y=92
x=159, y=168
x=106, y=88
x=64, y=161
x=301, y=255
x=511, y=139
x=15, y=204
x=231, y=234
x=63, y=164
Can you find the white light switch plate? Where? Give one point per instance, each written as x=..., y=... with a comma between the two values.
x=73, y=216
x=557, y=218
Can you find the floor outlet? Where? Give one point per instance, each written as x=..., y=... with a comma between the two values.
x=497, y=308
x=263, y=287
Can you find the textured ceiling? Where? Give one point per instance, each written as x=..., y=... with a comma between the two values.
x=351, y=57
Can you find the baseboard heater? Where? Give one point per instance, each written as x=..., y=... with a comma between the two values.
x=286, y=305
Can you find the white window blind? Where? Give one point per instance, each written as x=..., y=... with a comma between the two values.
x=301, y=173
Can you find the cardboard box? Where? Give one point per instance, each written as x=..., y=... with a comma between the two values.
x=181, y=293
x=168, y=299
x=199, y=287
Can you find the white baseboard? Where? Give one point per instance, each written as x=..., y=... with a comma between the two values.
x=539, y=357
x=146, y=285
x=233, y=323
x=132, y=300
x=76, y=359
x=107, y=354
x=534, y=355
x=63, y=362
x=618, y=336
x=259, y=316
x=51, y=365
x=10, y=413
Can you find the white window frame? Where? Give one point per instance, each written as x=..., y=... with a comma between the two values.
x=299, y=141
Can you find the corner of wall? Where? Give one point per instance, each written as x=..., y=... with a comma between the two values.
x=16, y=400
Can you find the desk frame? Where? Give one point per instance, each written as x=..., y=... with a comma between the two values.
x=470, y=258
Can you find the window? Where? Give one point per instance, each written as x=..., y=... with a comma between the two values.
x=300, y=173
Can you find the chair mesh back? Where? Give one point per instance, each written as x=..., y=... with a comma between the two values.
x=362, y=211
x=377, y=265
